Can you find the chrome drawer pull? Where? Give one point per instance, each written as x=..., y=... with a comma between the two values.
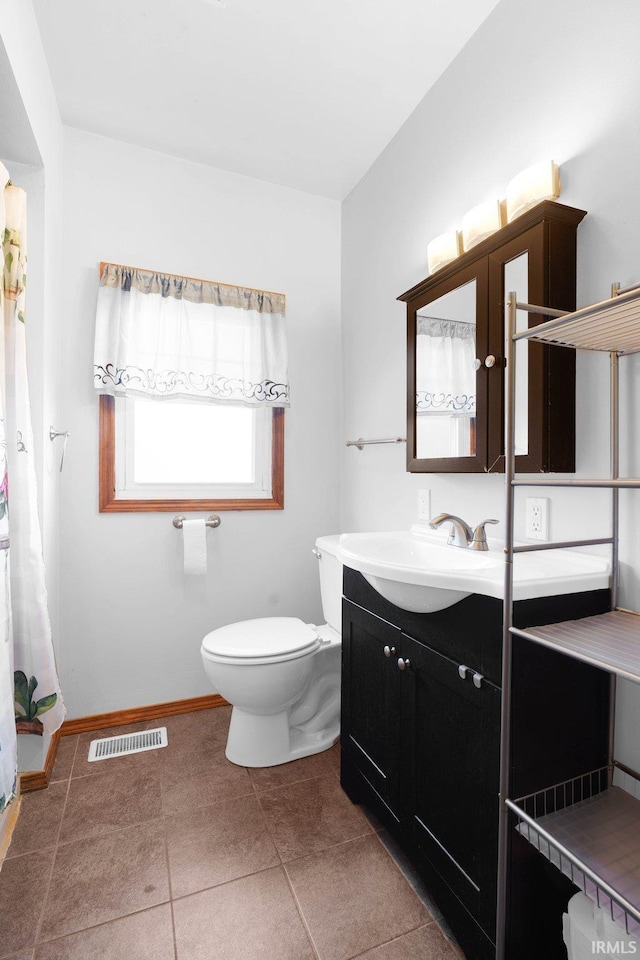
x=462, y=670
x=389, y=651
x=403, y=664
x=477, y=680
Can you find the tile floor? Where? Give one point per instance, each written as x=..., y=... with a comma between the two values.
x=177, y=854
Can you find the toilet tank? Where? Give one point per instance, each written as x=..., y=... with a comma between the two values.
x=330, y=580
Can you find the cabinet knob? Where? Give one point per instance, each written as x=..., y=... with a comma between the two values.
x=462, y=670
x=403, y=664
x=477, y=680
x=477, y=364
x=389, y=651
x=490, y=361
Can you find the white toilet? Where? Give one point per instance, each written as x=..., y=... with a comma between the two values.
x=282, y=677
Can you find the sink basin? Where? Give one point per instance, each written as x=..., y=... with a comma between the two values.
x=418, y=571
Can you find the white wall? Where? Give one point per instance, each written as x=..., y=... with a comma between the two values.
x=131, y=622
x=537, y=80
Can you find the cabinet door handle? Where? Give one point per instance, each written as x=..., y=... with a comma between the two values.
x=403, y=664
x=477, y=364
x=490, y=361
x=462, y=670
x=389, y=651
x=477, y=680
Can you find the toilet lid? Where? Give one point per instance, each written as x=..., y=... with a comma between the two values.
x=277, y=637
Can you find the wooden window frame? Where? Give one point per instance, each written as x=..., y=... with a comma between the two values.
x=109, y=503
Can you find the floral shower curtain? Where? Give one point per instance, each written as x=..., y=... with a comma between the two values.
x=37, y=701
x=8, y=745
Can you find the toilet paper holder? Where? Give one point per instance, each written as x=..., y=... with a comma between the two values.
x=212, y=521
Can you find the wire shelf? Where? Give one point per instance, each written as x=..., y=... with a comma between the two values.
x=591, y=833
x=610, y=641
x=612, y=325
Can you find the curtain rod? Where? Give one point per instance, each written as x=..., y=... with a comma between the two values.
x=179, y=276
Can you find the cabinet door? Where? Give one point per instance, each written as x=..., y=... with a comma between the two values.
x=454, y=732
x=370, y=700
x=447, y=378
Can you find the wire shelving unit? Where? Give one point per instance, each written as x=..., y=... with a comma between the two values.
x=588, y=828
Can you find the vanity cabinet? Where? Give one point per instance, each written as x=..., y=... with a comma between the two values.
x=456, y=352
x=421, y=744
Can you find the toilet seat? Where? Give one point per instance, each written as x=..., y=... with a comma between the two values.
x=265, y=640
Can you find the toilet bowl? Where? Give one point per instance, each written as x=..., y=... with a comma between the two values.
x=282, y=677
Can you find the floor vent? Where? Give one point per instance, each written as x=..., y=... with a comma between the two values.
x=127, y=743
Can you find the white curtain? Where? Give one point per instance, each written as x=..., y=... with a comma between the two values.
x=163, y=336
x=8, y=745
x=445, y=378
x=38, y=703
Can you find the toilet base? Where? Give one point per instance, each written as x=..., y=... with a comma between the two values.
x=267, y=741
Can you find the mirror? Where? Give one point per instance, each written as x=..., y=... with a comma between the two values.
x=446, y=375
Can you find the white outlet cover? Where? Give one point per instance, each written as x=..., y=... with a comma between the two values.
x=424, y=504
x=537, y=518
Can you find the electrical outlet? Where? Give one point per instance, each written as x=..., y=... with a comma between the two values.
x=537, y=518
x=424, y=504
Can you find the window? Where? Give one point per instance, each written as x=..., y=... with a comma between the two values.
x=193, y=381
x=189, y=456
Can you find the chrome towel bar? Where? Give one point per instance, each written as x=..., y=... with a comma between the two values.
x=360, y=443
x=212, y=521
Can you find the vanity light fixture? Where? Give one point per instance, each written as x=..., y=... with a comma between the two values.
x=443, y=249
x=481, y=222
x=531, y=186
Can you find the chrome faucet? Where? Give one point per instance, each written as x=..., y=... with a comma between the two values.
x=461, y=534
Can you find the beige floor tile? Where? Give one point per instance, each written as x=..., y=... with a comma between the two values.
x=23, y=887
x=267, y=778
x=105, y=878
x=425, y=943
x=65, y=755
x=143, y=936
x=218, y=843
x=310, y=816
x=250, y=919
x=354, y=898
x=199, y=779
x=39, y=820
x=189, y=732
x=99, y=805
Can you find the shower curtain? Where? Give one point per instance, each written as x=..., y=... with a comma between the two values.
x=35, y=700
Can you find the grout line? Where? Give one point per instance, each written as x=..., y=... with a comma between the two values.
x=166, y=853
x=45, y=899
x=385, y=943
x=94, y=926
x=316, y=950
x=225, y=883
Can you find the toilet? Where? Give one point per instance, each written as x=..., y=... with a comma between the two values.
x=282, y=677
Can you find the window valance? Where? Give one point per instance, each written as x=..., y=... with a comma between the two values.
x=165, y=336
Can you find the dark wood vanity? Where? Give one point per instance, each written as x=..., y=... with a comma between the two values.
x=420, y=748
x=455, y=420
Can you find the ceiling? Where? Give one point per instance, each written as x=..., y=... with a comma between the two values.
x=298, y=92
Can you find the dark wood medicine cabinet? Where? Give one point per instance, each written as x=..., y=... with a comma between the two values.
x=455, y=352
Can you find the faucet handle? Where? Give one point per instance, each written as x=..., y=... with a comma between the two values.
x=479, y=541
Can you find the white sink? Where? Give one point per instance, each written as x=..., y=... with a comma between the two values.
x=418, y=571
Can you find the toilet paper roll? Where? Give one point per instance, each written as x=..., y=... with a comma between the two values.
x=195, y=547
